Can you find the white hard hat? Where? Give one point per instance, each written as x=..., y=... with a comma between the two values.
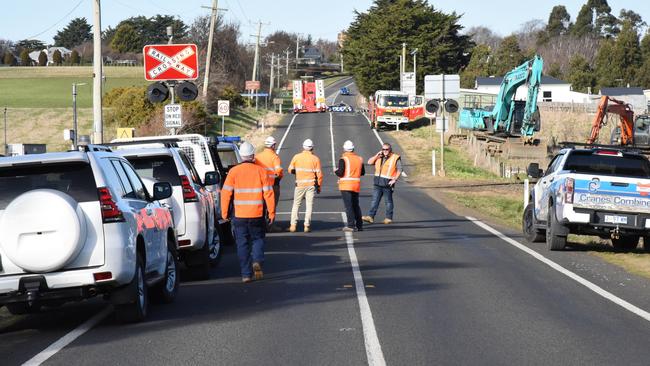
x=308, y=144
x=348, y=145
x=247, y=149
x=270, y=141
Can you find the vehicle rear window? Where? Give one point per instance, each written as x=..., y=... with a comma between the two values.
x=625, y=166
x=228, y=157
x=75, y=179
x=160, y=168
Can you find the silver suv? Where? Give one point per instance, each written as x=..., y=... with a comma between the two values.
x=79, y=224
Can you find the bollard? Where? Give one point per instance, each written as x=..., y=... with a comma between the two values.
x=526, y=195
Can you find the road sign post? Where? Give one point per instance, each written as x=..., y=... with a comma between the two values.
x=223, y=110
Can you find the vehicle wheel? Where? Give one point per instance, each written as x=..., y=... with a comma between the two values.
x=215, y=249
x=627, y=242
x=531, y=234
x=554, y=230
x=22, y=308
x=166, y=290
x=646, y=243
x=136, y=310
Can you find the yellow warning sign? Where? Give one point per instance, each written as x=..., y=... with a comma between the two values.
x=125, y=133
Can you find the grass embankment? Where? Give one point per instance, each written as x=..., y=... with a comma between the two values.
x=494, y=199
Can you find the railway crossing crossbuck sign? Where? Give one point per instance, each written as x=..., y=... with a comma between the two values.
x=170, y=62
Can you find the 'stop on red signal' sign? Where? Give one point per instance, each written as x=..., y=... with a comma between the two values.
x=170, y=62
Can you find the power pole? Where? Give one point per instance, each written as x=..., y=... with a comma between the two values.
x=278, y=71
x=208, y=57
x=287, y=67
x=98, y=126
x=6, y=146
x=257, y=52
x=272, y=75
x=297, y=45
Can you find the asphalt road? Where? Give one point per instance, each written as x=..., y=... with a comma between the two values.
x=432, y=288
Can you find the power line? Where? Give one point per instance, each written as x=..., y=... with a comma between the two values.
x=243, y=12
x=58, y=21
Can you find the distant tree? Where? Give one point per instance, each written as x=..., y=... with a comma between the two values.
x=627, y=54
x=580, y=74
x=603, y=67
x=42, y=59
x=24, y=58
x=584, y=22
x=634, y=18
x=555, y=71
x=74, y=34
x=507, y=56
x=374, y=41
x=645, y=46
x=603, y=25
x=74, y=57
x=126, y=39
x=57, y=59
x=2, y=57
x=485, y=36
x=30, y=45
x=9, y=59
x=643, y=75
x=108, y=34
x=479, y=65
x=559, y=21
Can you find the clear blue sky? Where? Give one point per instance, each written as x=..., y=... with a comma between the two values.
x=321, y=19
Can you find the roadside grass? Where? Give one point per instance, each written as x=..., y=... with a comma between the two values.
x=333, y=79
x=240, y=121
x=504, y=210
x=51, y=87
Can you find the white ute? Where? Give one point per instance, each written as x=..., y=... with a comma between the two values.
x=78, y=224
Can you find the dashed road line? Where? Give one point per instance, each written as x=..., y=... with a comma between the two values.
x=581, y=280
x=286, y=133
x=373, y=347
x=373, y=130
x=332, y=143
x=57, y=346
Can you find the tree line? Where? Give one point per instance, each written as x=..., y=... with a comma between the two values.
x=596, y=50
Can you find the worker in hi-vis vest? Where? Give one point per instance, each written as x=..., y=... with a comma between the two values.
x=270, y=161
x=309, y=178
x=247, y=187
x=350, y=169
x=388, y=168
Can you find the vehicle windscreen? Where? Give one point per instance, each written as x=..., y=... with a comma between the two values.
x=620, y=166
x=393, y=101
x=75, y=179
x=228, y=157
x=160, y=168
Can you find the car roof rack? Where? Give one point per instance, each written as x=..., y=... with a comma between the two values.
x=93, y=147
x=626, y=149
x=166, y=142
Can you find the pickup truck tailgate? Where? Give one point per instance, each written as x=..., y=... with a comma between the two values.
x=612, y=193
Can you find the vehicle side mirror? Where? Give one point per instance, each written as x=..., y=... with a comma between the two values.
x=534, y=171
x=161, y=191
x=211, y=178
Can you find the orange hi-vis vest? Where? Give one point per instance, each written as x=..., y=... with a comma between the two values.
x=388, y=169
x=308, y=169
x=270, y=161
x=248, y=186
x=351, y=180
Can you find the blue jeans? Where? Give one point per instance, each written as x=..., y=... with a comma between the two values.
x=377, y=193
x=249, y=234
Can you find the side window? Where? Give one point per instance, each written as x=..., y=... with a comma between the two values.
x=190, y=167
x=126, y=185
x=138, y=187
x=555, y=163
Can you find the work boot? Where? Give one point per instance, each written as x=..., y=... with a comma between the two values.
x=257, y=271
x=307, y=229
x=292, y=228
x=348, y=229
x=368, y=219
x=246, y=279
x=388, y=221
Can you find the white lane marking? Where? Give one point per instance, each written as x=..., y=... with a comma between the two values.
x=286, y=133
x=375, y=131
x=373, y=348
x=332, y=143
x=57, y=346
x=590, y=285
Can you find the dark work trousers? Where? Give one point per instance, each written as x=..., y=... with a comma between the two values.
x=249, y=236
x=352, y=209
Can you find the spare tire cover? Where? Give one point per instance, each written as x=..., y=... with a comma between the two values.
x=42, y=230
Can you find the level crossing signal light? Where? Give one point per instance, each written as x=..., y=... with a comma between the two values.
x=451, y=106
x=157, y=92
x=186, y=91
x=432, y=107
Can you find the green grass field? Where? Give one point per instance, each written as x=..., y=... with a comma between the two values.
x=51, y=87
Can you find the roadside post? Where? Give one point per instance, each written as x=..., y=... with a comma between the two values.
x=526, y=193
x=223, y=110
x=172, y=67
x=6, y=131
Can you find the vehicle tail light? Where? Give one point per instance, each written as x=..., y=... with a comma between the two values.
x=102, y=276
x=188, y=192
x=184, y=243
x=608, y=152
x=568, y=194
x=110, y=212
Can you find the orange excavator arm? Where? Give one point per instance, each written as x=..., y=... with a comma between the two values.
x=620, y=108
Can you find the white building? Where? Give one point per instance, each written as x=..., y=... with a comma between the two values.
x=551, y=90
x=50, y=54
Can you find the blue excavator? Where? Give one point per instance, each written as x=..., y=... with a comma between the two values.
x=510, y=117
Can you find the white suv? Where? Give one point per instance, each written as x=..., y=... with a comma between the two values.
x=78, y=224
x=192, y=204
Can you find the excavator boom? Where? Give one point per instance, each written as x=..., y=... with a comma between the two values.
x=623, y=110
